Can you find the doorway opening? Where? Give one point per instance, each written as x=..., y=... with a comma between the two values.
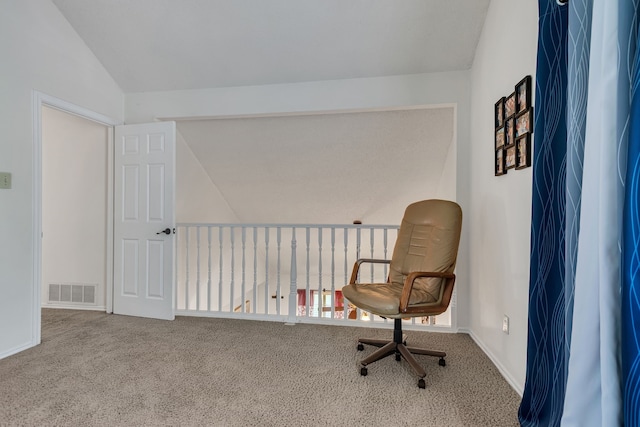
x=40, y=101
x=74, y=211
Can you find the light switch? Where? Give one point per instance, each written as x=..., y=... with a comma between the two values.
x=5, y=180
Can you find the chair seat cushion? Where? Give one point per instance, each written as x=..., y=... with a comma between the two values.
x=383, y=298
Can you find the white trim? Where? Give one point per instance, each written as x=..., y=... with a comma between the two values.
x=110, y=219
x=63, y=306
x=311, y=113
x=38, y=100
x=36, y=288
x=516, y=385
x=16, y=350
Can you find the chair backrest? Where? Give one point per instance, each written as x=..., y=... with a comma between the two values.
x=427, y=241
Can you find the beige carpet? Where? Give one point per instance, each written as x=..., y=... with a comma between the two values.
x=94, y=369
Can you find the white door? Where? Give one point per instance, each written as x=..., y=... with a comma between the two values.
x=144, y=163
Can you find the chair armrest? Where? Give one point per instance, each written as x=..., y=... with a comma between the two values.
x=408, y=286
x=356, y=266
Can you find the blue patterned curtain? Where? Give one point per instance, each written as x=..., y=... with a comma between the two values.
x=631, y=247
x=543, y=396
x=583, y=360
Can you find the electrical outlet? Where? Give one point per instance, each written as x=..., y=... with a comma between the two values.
x=5, y=180
x=505, y=324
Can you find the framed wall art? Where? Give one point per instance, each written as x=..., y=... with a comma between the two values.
x=500, y=165
x=509, y=132
x=513, y=126
x=523, y=151
x=523, y=95
x=499, y=113
x=500, y=138
x=510, y=106
x=510, y=157
x=524, y=122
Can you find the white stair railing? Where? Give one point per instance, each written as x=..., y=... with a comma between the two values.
x=252, y=271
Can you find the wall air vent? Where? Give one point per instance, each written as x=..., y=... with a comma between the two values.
x=72, y=294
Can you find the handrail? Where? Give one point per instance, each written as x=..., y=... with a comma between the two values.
x=287, y=225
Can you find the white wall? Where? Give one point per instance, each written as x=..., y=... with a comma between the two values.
x=309, y=97
x=40, y=51
x=499, y=214
x=74, y=202
x=197, y=197
x=326, y=168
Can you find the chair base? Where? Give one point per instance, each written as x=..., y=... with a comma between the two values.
x=398, y=347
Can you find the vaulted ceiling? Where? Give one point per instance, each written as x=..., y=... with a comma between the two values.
x=160, y=45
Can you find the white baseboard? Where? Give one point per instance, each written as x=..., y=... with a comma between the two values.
x=74, y=307
x=516, y=385
x=16, y=350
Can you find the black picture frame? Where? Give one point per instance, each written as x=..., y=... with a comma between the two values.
x=513, y=128
x=510, y=157
x=499, y=113
x=509, y=131
x=523, y=95
x=524, y=122
x=500, y=138
x=523, y=151
x=499, y=163
x=510, y=105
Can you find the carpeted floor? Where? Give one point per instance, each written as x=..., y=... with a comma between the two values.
x=94, y=369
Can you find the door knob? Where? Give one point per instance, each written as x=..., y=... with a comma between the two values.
x=165, y=231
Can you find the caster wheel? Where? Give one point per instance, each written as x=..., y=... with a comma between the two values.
x=398, y=357
x=363, y=371
x=421, y=383
x=360, y=347
x=441, y=362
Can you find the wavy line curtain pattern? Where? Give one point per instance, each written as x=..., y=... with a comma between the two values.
x=583, y=355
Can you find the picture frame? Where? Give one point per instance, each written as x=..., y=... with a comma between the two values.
x=499, y=113
x=509, y=132
x=500, y=140
x=523, y=95
x=510, y=105
x=513, y=128
x=524, y=122
x=523, y=151
x=510, y=157
x=500, y=168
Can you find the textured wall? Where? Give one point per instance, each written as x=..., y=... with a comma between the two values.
x=500, y=214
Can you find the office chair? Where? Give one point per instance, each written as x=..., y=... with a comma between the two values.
x=420, y=281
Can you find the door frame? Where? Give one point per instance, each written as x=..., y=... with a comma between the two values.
x=39, y=100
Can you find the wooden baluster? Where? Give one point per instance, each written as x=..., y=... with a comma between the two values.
x=278, y=245
x=220, y=264
x=186, y=280
x=197, y=268
x=385, y=250
x=244, y=239
x=266, y=271
x=319, y=297
x=254, y=302
x=345, y=303
x=232, y=237
x=209, y=268
x=308, y=291
x=333, y=272
x=293, y=286
x=371, y=247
